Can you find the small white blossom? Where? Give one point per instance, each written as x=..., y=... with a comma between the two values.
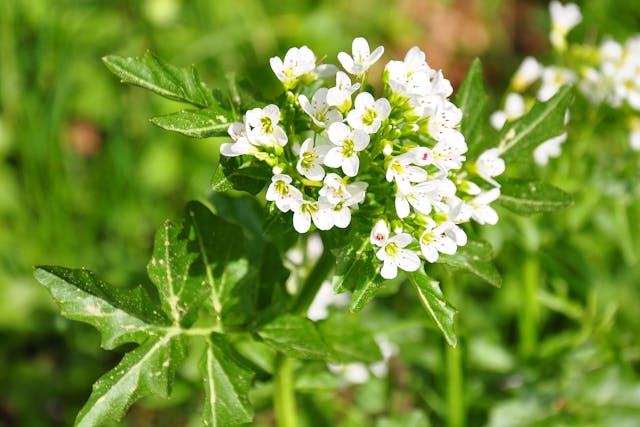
x=240, y=144
x=448, y=153
x=445, y=118
x=563, y=19
x=310, y=160
x=489, y=164
x=549, y=149
x=419, y=196
x=340, y=95
x=318, y=109
x=324, y=299
x=368, y=113
x=513, y=109
x=482, y=212
x=552, y=79
x=361, y=59
x=434, y=240
x=529, y=71
x=394, y=256
x=308, y=210
x=286, y=196
x=347, y=144
x=264, y=126
x=405, y=81
x=379, y=233
x=404, y=173
x=297, y=62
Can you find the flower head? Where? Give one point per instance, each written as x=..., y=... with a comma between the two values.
x=297, y=62
x=361, y=57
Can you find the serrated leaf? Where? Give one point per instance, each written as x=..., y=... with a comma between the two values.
x=530, y=197
x=149, y=369
x=472, y=100
x=544, y=121
x=203, y=123
x=154, y=74
x=295, y=337
x=232, y=174
x=348, y=340
x=357, y=271
x=433, y=301
x=120, y=316
x=169, y=272
x=226, y=385
x=222, y=255
x=476, y=258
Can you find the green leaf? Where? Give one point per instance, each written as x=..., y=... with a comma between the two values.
x=472, y=100
x=222, y=261
x=348, y=340
x=169, y=272
x=226, y=385
x=150, y=72
x=357, y=271
x=415, y=418
x=476, y=258
x=433, y=301
x=530, y=197
x=233, y=174
x=295, y=337
x=203, y=123
x=120, y=316
x=149, y=369
x=544, y=121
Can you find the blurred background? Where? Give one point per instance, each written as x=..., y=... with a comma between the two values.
x=85, y=179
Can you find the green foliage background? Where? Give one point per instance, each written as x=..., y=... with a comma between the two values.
x=85, y=180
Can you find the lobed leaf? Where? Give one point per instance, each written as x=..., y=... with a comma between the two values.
x=472, y=100
x=226, y=385
x=544, y=121
x=169, y=272
x=433, y=301
x=149, y=369
x=476, y=258
x=530, y=197
x=203, y=123
x=294, y=336
x=152, y=73
x=120, y=316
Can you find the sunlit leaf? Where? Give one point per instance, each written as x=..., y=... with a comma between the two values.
x=530, y=197
x=294, y=336
x=476, y=258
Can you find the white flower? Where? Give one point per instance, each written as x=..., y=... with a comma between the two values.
x=528, y=72
x=318, y=109
x=379, y=233
x=308, y=210
x=340, y=95
x=283, y=193
x=341, y=197
x=310, y=160
x=482, y=212
x=348, y=143
x=362, y=58
x=404, y=173
x=405, y=81
x=368, y=113
x=552, y=78
x=513, y=109
x=563, y=19
x=264, y=126
x=394, y=256
x=334, y=189
x=434, y=240
x=240, y=144
x=419, y=196
x=448, y=153
x=297, y=62
x=549, y=149
x=446, y=117
x=324, y=299
x=352, y=373
x=489, y=164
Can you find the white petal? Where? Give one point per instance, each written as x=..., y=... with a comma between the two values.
x=350, y=165
x=338, y=132
x=429, y=252
x=273, y=112
x=408, y=260
x=379, y=234
x=389, y=269
x=402, y=239
x=347, y=62
x=360, y=47
x=334, y=157
x=301, y=221
x=360, y=139
x=402, y=206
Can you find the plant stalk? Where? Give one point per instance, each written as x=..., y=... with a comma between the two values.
x=284, y=398
x=456, y=411
x=528, y=324
x=313, y=282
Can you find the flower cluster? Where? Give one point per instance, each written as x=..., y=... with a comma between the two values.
x=335, y=147
x=608, y=73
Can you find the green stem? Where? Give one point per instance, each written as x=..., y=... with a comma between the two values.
x=456, y=411
x=314, y=281
x=528, y=324
x=284, y=398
